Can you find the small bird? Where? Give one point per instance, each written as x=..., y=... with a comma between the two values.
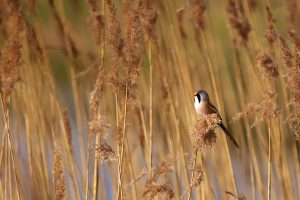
x=203, y=105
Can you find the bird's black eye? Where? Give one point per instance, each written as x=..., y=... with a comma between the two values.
x=199, y=97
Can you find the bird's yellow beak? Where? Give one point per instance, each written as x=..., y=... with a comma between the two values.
x=194, y=94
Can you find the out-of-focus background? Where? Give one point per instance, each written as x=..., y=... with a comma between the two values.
x=96, y=99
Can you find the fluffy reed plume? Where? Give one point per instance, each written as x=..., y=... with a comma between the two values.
x=295, y=37
x=116, y=44
x=104, y=152
x=128, y=52
x=238, y=19
x=198, y=176
x=153, y=187
x=196, y=180
x=293, y=80
x=148, y=16
x=198, y=9
x=267, y=67
x=239, y=196
x=96, y=21
x=294, y=124
x=270, y=35
x=11, y=57
x=115, y=37
x=287, y=56
x=266, y=109
x=59, y=181
x=292, y=64
x=203, y=135
x=97, y=124
x=133, y=48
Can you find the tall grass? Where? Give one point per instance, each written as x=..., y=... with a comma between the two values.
x=96, y=99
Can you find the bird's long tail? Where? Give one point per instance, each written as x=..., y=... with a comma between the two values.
x=229, y=134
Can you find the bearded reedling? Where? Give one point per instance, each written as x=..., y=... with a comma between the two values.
x=203, y=105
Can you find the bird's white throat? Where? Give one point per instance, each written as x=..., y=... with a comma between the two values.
x=197, y=105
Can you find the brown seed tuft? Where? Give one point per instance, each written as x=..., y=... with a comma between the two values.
x=148, y=16
x=97, y=26
x=198, y=9
x=97, y=124
x=114, y=37
x=59, y=181
x=11, y=58
x=133, y=48
x=203, y=135
x=238, y=19
x=198, y=176
x=271, y=34
x=266, y=109
x=104, y=152
x=153, y=187
x=295, y=37
x=286, y=53
x=239, y=196
x=267, y=66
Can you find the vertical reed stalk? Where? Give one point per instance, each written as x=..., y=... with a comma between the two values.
x=121, y=153
x=150, y=110
x=192, y=176
x=269, y=160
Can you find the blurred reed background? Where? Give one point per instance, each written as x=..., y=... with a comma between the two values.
x=96, y=99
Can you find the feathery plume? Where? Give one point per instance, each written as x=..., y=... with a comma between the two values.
x=153, y=187
x=198, y=177
x=203, y=135
x=97, y=123
x=148, y=16
x=59, y=181
x=266, y=109
x=11, y=57
x=96, y=21
x=267, y=66
x=295, y=37
x=238, y=19
x=104, y=152
x=198, y=9
x=239, y=196
x=292, y=64
x=133, y=48
x=271, y=34
x=287, y=56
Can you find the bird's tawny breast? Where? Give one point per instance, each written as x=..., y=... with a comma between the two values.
x=203, y=108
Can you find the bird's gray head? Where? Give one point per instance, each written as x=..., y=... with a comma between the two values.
x=201, y=95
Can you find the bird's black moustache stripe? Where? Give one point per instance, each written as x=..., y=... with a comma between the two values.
x=199, y=98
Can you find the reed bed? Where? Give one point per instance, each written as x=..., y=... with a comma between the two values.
x=96, y=99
